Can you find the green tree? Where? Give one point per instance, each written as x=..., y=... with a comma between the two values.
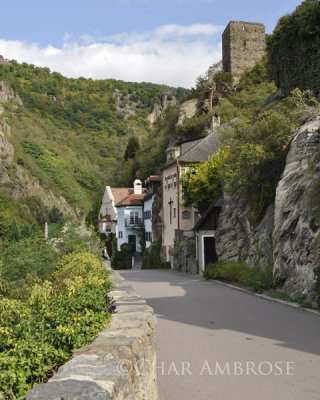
x=132, y=147
x=201, y=184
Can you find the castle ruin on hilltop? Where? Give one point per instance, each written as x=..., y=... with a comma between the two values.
x=242, y=44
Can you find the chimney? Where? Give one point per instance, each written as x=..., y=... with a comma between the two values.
x=137, y=187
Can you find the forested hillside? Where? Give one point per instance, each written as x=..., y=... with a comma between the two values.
x=70, y=134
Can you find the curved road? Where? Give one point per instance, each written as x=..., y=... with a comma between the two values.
x=214, y=342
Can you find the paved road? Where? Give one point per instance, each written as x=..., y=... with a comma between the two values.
x=219, y=343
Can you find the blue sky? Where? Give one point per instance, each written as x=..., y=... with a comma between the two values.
x=161, y=41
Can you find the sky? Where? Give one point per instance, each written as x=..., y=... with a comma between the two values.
x=170, y=42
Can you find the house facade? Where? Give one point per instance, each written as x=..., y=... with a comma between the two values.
x=177, y=218
x=130, y=218
x=152, y=184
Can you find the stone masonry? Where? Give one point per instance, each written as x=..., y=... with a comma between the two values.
x=119, y=364
x=242, y=44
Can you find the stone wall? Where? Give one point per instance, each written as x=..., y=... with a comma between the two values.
x=184, y=251
x=119, y=364
x=242, y=44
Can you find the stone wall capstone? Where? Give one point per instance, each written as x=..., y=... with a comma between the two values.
x=119, y=364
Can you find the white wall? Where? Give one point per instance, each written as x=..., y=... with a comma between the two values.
x=123, y=214
x=148, y=222
x=107, y=207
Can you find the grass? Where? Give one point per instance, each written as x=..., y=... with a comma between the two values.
x=301, y=300
x=256, y=278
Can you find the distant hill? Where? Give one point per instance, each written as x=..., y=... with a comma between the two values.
x=68, y=135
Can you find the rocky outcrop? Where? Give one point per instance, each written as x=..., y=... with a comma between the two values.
x=120, y=364
x=297, y=234
x=167, y=99
x=122, y=104
x=7, y=94
x=288, y=237
x=238, y=240
x=187, y=110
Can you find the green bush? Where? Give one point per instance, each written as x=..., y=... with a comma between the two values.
x=151, y=257
x=27, y=256
x=256, y=278
x=123, y=259
x=58, y=316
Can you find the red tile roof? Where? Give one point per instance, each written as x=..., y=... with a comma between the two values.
x=131, y=200
x=120, y=194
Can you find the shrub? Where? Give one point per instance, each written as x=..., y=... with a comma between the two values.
x=256, y=278
x=151, y=257
x=123, y=259
x=41, y=332
x=32, y=255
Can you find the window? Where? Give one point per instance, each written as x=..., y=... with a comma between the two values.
x=244, y=43
x=120, y=235
x=148, y=237
x=147, y=214
x=134, y=218
x=174, y=213
x=186, y=215
x=170, y=211
x=244, y=28
x=108, y=228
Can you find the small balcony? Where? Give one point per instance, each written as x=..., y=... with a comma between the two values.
x=136, y=223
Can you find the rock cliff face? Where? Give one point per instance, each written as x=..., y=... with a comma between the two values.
x=238, y=240
x=15, y=179
x=167, y=99
x=297, y=234
x=187, y=110
x=288, y=237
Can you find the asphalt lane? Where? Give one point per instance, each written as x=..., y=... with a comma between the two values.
x=214, y=342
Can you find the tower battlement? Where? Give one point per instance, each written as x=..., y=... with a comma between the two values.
x=242, y=44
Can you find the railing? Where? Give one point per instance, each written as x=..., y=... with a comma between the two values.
x=134, y=224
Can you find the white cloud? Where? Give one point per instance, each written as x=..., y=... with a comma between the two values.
x=171, y=54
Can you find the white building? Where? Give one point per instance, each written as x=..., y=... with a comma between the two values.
x=130, y=218
x=108, y=212
x=152, y=184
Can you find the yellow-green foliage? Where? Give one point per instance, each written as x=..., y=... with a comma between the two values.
x=201, y=184
x=254, y=87
x=58, y=316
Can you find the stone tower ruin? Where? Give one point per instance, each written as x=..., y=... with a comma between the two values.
x=242, y=44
